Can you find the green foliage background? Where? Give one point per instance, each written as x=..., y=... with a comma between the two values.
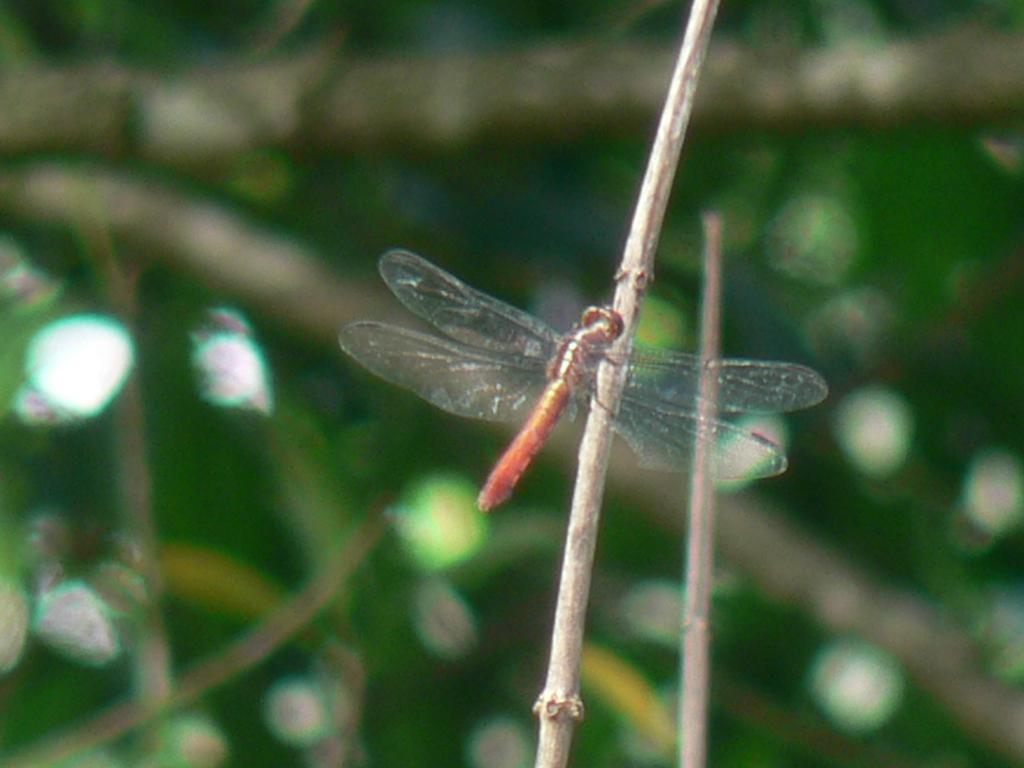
x=932, y=221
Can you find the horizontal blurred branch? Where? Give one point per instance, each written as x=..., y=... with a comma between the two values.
x=284, y=280
x=323, y=101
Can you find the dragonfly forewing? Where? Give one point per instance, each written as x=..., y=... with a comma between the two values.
x=464, y=313
x=467, y=381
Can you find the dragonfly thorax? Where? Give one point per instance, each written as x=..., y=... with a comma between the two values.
x=598, y=327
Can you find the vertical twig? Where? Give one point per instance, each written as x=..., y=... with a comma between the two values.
x=153, y=676
x=693, y=704
x=559, y=705
x=152, y=652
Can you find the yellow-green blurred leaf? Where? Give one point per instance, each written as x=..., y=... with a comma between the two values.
x=212, y=580
x=620, y=687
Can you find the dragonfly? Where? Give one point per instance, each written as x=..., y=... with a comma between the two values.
x=499, y=363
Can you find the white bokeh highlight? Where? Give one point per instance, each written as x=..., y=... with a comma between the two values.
x=231, y=367
x=75, y=621
x=874, y=427
x=444, y=621
x=813, y=239
x=652, y=611
x=73, y=368
x=993, y=491
x=499, y=742
x=858, y=686
x=296, y=711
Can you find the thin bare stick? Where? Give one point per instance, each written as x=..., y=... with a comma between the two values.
x=243, y=654
x=696, y=654
x=151, y=653
x=559, y=705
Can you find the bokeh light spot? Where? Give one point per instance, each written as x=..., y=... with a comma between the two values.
x=499, y=742
x=993, y=491
x=444, y=621
x=857, y=685
x=652, y=610
x=874, y=427
x=857, y=322
x=232, y=369
x=193, y=740
x=813, y=239
x=74, y=621
x=74, y=368
x=439, y=521
x=296, y=711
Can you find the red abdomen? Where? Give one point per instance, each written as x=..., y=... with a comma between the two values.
x=517, y=457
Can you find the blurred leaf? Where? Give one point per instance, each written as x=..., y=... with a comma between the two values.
x=216, y=582
x=620, y=687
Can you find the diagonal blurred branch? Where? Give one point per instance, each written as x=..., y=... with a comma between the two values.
x=245, y=653
x=787, y=564
x=223, y=249
x=938, y=654
x=793, y=567
x=323, y=102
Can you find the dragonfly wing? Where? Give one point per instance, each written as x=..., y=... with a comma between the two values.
x=463, y=313
x=744, y=386
x=463, y=380
x=662, y=437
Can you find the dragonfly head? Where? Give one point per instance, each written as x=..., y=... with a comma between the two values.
x=604, y=322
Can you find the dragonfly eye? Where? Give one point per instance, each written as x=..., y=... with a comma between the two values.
x=604, y=318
